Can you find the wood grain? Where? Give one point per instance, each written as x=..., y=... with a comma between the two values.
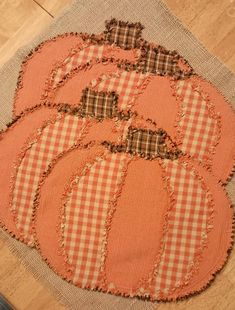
x=20, y=287
x=22, y=21
x=213, y=23
x=53, y=6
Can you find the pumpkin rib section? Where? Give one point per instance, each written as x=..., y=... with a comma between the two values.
x=75, y=58
x=54, y=137
x=227, y=130
x=86, y=208
x=189, y=222
x=108, y=223
x=155, y=103
x=48, y=238
x=145, y=286
x=135, y=234
x=198, y=125
x=220, y=110
x=15, y=146
x=66, y=42
x=219, y=242
x=19, y=118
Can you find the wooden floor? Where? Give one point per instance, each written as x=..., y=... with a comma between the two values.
x=213, y=23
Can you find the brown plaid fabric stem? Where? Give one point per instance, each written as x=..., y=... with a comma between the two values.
x=124, y=34
x=162, y=62
x=153, y=59
x=99, y=104
x=95, y=104
x=157, y=61
x=146, y=143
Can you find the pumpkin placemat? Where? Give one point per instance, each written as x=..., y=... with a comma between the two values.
x=114, y=164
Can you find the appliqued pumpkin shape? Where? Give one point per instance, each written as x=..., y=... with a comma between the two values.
x=114, y=163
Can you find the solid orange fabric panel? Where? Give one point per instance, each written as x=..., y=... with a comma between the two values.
x=137, y=227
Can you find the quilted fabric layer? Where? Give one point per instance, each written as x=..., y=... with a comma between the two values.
x=111, y=167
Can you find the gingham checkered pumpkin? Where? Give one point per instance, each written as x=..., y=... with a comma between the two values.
x=107, y=220
x=111, y=201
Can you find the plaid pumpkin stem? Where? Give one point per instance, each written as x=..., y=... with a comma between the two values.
x=153, y=59
x=123, y=34
x=159, y=61
x=146, y=143
x=97, y=104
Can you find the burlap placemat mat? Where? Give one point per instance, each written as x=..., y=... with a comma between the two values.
x=89, y=16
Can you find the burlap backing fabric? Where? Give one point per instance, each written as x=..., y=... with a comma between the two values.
x=89, y=16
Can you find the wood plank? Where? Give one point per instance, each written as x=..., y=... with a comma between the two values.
x=212, y=22
x=10, y=23
x=225, y=50
x=53, y=6
x=20, y=287
x=20, y=22
x=187, y=11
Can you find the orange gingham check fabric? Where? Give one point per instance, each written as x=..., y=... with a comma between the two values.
x=126, y=84
x=186, y=226
x=85, y=214
x=55, y=138
x=82, y=57
x=197, y=128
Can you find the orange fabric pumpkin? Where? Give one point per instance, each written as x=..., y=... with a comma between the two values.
x=114, y=161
